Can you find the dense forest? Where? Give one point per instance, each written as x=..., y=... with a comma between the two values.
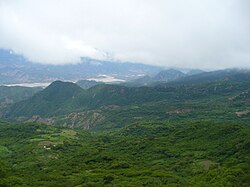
x=141, y=154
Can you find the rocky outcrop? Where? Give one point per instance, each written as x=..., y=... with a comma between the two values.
x=83, y=120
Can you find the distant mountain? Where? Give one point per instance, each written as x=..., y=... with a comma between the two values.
x=142, y=81
x=195, y=71
x=14, y=68
x=168, y=75
x=208, y=77
x=86, y=84
x=162, y=76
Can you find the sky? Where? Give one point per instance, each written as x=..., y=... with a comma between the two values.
x=176, y=33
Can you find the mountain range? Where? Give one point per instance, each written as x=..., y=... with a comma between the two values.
x=162, y=76
x=15, y=68
x=103, y=102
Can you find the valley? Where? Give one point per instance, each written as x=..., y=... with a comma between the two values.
x=178, y=133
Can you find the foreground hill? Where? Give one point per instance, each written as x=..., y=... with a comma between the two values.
x=142, y=154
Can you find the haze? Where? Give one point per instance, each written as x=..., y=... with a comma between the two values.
x=180, y=33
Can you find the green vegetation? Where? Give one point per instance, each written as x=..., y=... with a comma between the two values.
x=175, y=134
x=113, y=106
x=13, y=94
x=140, y=154
x=57, y=95
x=224, y=95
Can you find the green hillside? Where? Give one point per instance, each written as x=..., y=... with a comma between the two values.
x=13, y=94
x=142, y=154
x=55, y=97
x=111, y=106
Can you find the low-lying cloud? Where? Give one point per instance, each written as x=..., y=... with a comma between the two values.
x=183, y=33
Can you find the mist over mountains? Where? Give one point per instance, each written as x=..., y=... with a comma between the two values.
x=145, y=93
x=15, y=68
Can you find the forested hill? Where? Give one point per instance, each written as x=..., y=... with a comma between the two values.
x=228, y=94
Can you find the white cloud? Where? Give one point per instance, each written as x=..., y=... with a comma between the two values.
x=184, y=33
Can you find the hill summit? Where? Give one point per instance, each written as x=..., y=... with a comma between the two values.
x=56, y=97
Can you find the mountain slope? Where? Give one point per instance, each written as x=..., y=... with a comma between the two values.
x=213, y=76
x=55, y=97
x=86, y=84
x=168, y=75
x=61, y=97
x=107, y=102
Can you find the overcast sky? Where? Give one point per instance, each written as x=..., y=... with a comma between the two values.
x=182, y=33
